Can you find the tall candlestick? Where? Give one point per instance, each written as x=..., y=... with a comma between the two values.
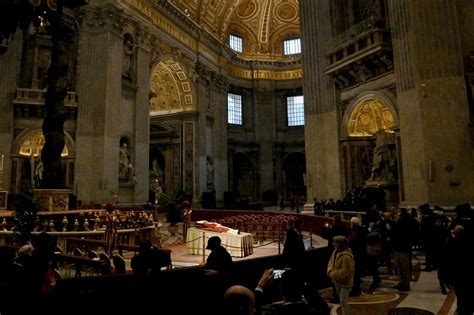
x=1, y=165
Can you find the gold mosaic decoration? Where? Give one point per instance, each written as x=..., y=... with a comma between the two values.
x=34, y=143
x=262, y=23
x=171, y=89
x=368, y=117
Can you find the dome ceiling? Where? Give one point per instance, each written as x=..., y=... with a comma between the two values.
x=263, y=24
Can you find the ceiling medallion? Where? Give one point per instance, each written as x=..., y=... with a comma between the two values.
x=247, y=9
x=286, y=11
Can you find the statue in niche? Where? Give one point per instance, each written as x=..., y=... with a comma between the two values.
x=156, y=169
x=126, y=168
x=209, y=172
x=128, y=57
x=157, y=189
x=384, y=162
x=38, y=172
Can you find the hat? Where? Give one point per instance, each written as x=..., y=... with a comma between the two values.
x=355, y=220
x=213, y=242
x=186, y=203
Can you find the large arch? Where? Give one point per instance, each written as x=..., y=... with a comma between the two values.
x=243, y=175
x=294, y=167
x=35, y=140
x=171, y=88
x=369, y=116
x=369, y=112
x=26, y=160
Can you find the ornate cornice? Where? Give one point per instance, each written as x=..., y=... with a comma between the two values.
x=102, y=18
x=146, y=39
x=161, y=15
x=171, y=11
x=219, y=82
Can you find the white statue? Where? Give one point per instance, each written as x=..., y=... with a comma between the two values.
x=124, y=161
x=209, y=172
x=384, y=161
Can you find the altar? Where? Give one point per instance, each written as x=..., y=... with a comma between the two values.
x=238, y=245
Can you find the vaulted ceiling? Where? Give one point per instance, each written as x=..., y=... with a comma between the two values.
x=262, y=23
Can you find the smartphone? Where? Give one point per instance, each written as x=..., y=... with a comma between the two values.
x=277, y=273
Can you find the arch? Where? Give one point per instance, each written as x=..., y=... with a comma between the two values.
x=248, y=36
x=33, y=138
x=242, y=174
x=368, y=113
x=279, y=35
x=172, y=89
x=294, y=166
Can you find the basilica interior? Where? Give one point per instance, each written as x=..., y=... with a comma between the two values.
x=256, y=105
x=246, y=100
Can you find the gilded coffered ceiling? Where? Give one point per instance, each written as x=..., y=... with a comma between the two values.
x=263, y=24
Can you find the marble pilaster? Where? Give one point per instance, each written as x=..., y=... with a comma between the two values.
x=218, y=101
x=265, y=127
x=142, y=124
x=9, y=72
x=99, y=88
x=322, y=122
x=431, y=95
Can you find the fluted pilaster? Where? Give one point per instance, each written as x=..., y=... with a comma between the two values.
x=99, y=88
x=323, y=166
x=9, y=72
x=431, y=96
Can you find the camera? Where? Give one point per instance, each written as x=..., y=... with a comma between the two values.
x=277, y=273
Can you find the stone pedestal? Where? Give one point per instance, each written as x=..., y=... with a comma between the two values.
x=126, y=193
x=308, y=209
x=390, y=189
x=53, y=199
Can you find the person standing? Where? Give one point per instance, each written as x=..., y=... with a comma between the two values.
x=293, y=250
x=186, y=216
x=402, y=241
x=358, y=245
x=110, y=229
x=341, y=269
x=458, y=268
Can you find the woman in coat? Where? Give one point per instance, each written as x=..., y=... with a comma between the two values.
x=341, y=270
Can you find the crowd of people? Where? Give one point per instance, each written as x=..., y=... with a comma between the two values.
x=391, y=238
x=361, y=199
x=358, y=249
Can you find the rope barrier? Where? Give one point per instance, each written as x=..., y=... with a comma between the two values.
x=197, y=238
x=257, y=246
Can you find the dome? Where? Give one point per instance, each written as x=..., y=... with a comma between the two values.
x=262, y=24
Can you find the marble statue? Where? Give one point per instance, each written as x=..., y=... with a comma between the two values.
x=384, y=161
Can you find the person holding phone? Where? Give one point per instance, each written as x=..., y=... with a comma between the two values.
x=291, y=287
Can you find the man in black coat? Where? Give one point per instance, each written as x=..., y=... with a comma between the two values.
x=293, y=250
x=218, y=268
